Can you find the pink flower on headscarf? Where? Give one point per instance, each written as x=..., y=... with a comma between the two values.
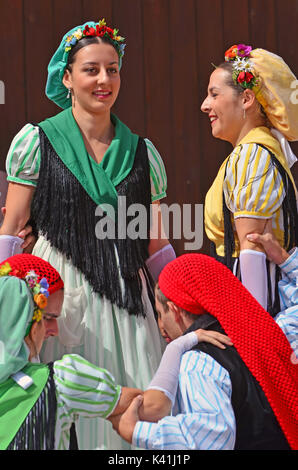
x=243, y=50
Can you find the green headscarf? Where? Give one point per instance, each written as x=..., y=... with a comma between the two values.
x=55, y=90
x=98, y=179
x=16, y=311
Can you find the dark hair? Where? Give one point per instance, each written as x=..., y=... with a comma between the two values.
x=228, y=67
x=83, y=43
x=161, y=297
x=163, y=300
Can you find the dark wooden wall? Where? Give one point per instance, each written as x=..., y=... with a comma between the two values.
x=170, y=47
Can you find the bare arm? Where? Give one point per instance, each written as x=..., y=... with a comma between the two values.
x=245, y=226
x=158, y=237
x=269, y=244
x=17, y=213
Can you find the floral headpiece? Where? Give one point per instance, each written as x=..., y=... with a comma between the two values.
x=242, y=65
x=39, y=289
x=101, y=30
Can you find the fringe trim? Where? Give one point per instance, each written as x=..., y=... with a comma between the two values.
x=38, y=430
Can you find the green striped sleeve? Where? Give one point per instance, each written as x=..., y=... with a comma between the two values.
x=157, y=173
x=84, y=389
x=23, y=158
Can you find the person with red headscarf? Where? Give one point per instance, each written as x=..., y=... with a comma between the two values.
x=244, y=397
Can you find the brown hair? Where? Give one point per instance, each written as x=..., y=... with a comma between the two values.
x=163, y=300
x=83, y=43
x=161, y=297
x=228, y=67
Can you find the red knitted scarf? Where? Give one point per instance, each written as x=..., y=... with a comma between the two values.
x=194, y=281
x=22, y=264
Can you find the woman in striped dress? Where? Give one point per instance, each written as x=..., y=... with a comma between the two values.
x=249, y=105
x=67, y=174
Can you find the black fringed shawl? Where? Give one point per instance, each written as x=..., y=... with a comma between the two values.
x=38, y=430
x=290, y=219
x=64, y=214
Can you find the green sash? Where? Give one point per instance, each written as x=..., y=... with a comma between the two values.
x=98, y=179
x=16, y=403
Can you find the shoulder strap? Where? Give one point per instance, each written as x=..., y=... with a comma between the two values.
x=289, y=204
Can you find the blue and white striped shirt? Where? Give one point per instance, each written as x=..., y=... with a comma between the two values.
x=203, y=416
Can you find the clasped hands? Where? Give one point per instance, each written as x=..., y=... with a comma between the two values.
x=124, y=423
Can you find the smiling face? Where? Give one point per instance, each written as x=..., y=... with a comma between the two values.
x=224, y=107
x=94, y=78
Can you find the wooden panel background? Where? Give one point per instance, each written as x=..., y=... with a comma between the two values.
x=171, y=45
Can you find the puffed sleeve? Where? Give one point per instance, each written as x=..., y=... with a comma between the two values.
x=158, y=175
x=253, y=186
x=84, y=389
x=23, y=158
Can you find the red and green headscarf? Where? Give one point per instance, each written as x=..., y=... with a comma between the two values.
x=25, y=283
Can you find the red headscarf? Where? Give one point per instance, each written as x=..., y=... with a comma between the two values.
x=23, y=263
x=196, y=281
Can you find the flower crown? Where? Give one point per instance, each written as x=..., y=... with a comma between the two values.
x=242, y=65
x=39, y=289
x=101, y=30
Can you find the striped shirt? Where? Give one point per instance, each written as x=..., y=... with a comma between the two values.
x=23, y=162
x=82, y=389
x=203, y=416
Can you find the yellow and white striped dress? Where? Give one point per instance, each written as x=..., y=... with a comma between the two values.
x=91, y=326
x=252, y=187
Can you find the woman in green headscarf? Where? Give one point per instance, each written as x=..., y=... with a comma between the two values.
x=69, y=174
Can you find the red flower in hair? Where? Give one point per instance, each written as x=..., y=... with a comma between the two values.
x=89, y=31
x=245, y=77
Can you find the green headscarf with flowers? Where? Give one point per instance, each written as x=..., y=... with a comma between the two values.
x=23, y=293
x=55, y=90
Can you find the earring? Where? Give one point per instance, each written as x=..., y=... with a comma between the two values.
x=244, y=114
x=69, y=93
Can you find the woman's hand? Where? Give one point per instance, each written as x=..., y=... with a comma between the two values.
x=26, y=234
x=29, y=239
x=213, y=337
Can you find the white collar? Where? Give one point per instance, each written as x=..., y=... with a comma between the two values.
x=285, y=146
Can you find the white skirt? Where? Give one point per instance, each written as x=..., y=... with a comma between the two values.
x=129, y=347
